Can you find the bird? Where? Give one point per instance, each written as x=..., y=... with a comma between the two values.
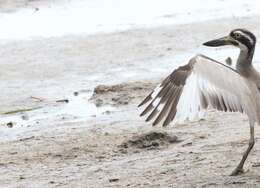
x=204, y=83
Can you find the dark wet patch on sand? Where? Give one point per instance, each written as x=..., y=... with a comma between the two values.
x=148, y=141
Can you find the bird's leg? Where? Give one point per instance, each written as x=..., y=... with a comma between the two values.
x=239, y=168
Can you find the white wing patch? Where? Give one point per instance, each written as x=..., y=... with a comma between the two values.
x=189, y=107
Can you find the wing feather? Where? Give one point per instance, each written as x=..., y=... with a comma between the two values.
x=166, y=105
x=173, y=109
x=201, y=84
x=159, y=91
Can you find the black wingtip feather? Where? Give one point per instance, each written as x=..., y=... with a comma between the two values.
x=148, y=98
x=170, y=95
x=151, y=116
x=147, y=109
x=173, y=109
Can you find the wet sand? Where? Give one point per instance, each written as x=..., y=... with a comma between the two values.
x=67, y=151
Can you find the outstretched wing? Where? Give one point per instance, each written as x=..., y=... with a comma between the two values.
x=190, y=89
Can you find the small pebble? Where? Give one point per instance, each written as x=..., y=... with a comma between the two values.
x=10, y=124
x=21, y=178
x=113, y=180
x=25, y=117
x=63, y=100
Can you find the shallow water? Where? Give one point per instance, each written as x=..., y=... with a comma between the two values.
x=78, y=109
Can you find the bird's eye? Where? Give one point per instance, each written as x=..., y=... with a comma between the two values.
x=237, y=35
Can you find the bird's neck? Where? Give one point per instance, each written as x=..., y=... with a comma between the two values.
x=245, y=58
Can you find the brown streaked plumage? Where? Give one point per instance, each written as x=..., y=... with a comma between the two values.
x=204, y=83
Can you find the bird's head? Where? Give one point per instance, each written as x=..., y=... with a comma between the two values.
x=241, y=38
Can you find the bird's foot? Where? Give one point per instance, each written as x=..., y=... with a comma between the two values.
x=237, y=171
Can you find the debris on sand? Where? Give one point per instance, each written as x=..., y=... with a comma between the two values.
x=63, y=101
x=37, y=98
x=20, y=110
x=25, y=117
x=113, y=180
x=149, y=141
x=10, y=124
x=120, y=94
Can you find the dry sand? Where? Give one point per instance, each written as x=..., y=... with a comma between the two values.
x=107, y=151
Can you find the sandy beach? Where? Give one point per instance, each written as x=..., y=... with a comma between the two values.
x=69, y=115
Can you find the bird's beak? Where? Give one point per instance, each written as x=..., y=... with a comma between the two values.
x=221, y=42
